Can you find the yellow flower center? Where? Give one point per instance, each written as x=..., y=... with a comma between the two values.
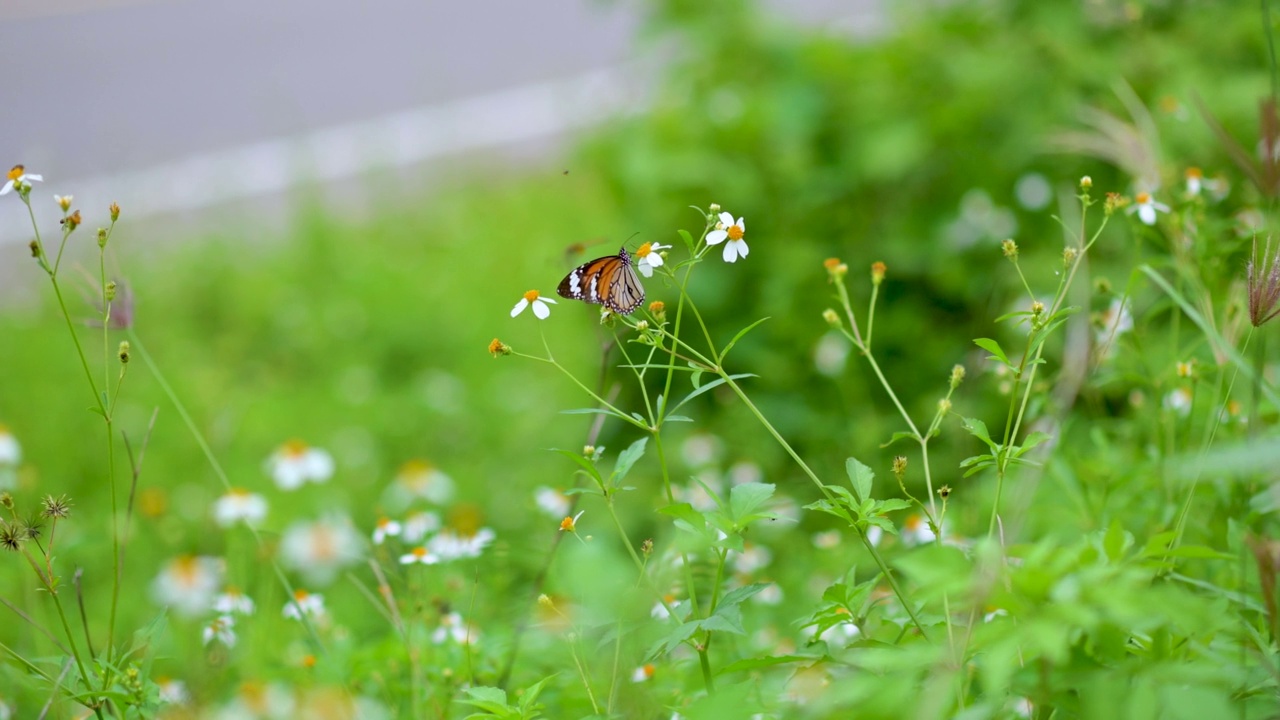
x=1194, y=173
x=294, y=448
x=735, y=232
x=239, y=493
x=913, y=522
x=300, y=594
x=531, y=295
x=420, y=552
x=1143, y=198
x=383, y=522
x=17, y=172
x=465, y=520
x=644, y=250
x=567, y=524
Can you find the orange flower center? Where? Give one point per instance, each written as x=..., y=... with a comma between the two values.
x=735, y=232
x=420, y=552
x=531, y=295
x=567, y=524
x=1143, y=198
x=1194, y=173
x=644, y=250
x=294, y=448
x=17, y=172
x=913, y=522
x=301, y=595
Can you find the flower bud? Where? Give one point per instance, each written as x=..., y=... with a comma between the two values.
x=1069, y=255
x=64, y=201
x=124, y=352
x=957, y=375
x=658, y=310
x=1037, y=309
x=1086, y=182
x=1114, y=202
x=899, y=467
x=944, y=406
x=71, y=222
x=877, y=273
x=835, y=268
x=944, y=492
x=110, y=291
x=715, y=208
x=35, y=248
x=102, y=237
x=497, y=347
x=115, y=212
x=646, y=547
x=1009, y=248
x=832, y=318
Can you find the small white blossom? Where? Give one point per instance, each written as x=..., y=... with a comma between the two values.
x=419, y=480
x=419, y=555
x=174, y=691
x=295, y=464
x=1178, y=401
x=10, y=450
x=1146, y=207
x=752, y=558
x=733, y=231
x=386, y=528
x=540, y=309
x=452, y=545
x=648, y=257
x=551, y=501
x=643, y=673
x=222, y=629
x=419, y=524
x=453, y=628
x=321, y=548
x=231, y=601
x=19, y=179
x=187, y=584
x=237, y=505
x=304, y=603
x=916, y=531
x=1195, y=181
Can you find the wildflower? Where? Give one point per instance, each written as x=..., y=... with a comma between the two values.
x=875, y=534
x=570, y=524
x=1186, y=369
x=294, y=464
x=453, y=628
x=714, y=208
x=56, y=507
x=1009, y=248
x=877, y=272
x=222, y=629
x=1147, y=207
x=916, y=531
x=419, y=479
x=187, y=584
x=1116, y=320
x=231, y=601
x=1086, y=182
x=1195, y=181
x=1178, y=401
x=957, y=376
x=497, y=348
x=122, y=351
x=944, y=492
x=419, y=524
x=10, y=450
x=304, y=603
x=643, y=673
x=1022, y=707
x=454, y=545
x=646, y=546
x=539, y=303
x=419, y=555
x=1069, y=255
x=899, y=466
x=239, y=504
x=733, y=231
x=385, y=528
x=64, y=201
x=173, y=691
x=20, y=180
x=835, y=268
x=321, y=548
x=1263, y=287
x=662, y=609
x=11, y=536
x=114, y=210
x=658, y=309
x=552, y=501
x=648, y=258
x=71, y=222
x=1114, y=202
x=832, y=318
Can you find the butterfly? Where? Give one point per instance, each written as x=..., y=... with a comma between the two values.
x=610, y=281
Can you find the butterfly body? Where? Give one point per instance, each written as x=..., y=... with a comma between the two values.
x=610, y=281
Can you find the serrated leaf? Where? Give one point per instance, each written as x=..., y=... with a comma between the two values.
x=738, y=595
x=830, y=508
x=685, y=513
x=860, y=477
x=745, y=498
x=486, y=695
x=994, y=348
x=890, y=505
x=726, y=618
x=978, y=429
x=627, y=458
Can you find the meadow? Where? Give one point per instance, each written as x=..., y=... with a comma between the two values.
x=950, y=396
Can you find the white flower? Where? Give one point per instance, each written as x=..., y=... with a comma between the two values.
x=20, y=180
x=453, y=628
x=916, y=531
x=10, y=450
x=874, y=534
x=173, y=691
x=420, y=555
x=994, y=613
x=660, y=610
x=321, y=548
x=231, y=601
x=222, y=629
x=733, y=231
x=451, y=545
x=1116, y=321
x=540, y=309
x=294, y=464
x=828, y=539
x=187, y=584
x=551, y=501
x=643, y=673
x=304, y=603
x=570, y=524
x=419, y=479
x=6, y=710
x=1146, y=207
x=1195, y=181
x=64, y=201
x=648, y=258
x=237, y=505
x=1178, y=401
x=1022, y=707
x=385, y=528
x=419, y=524
x=752, y=558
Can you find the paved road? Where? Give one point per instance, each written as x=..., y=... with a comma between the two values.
x=173, y=105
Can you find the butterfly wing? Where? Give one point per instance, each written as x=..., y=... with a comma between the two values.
x=610, y=281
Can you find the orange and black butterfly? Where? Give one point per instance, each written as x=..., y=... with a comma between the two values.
x=610, y=281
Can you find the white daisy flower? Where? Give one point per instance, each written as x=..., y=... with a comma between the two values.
x=453, y=628
x=660, y=611
x=19, y=179
x=1146, y=207
x=187, y=584
x=304, y=603
x=222, y=629
x=540, y=309
x=1195, y=181
x=231, y=601
x=551, y=501
x=419, y=479
x=733, y=231
x=237, y=505
x=386, y=528
x=1178, y=401
x=993, y=613
x=916, y=531
x=648, y=257
x=10, y=450
x=320, y=549
x=643, y=673
x=419, y=524
x=294, y=464
x=451, y=545
x=173, y=691
x=419, y=555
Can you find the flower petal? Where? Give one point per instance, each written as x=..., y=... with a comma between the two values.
x=715, y=237
x=742, y=249
x=645, y=269
x=1147, y=214
x=39, y=178
x=519, y=308
x=540, y=309
x=653, y=260
x=8, y=188
x=731, y=252
x=726, y=218
x=742, y=223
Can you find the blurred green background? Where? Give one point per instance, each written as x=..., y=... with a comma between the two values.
x=923, y=148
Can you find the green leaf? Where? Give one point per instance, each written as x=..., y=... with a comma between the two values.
x=586, y=464
x=738, y=337
x=994, y=348
x=737, y=596
x=688, y=238
x=900, y=435
x=693, y=520
x=479, y=695
x=860, y=476
x=627, y=458
x=1032, y=440
x=590, y=411
x=978, y=429
x=672, y=639
x=726, y=618
x=764, y=662
x=830, y=508
x=745, y=498
x=677, y=418
x=709, y=386
x=889, y=505
x=1199, y=551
